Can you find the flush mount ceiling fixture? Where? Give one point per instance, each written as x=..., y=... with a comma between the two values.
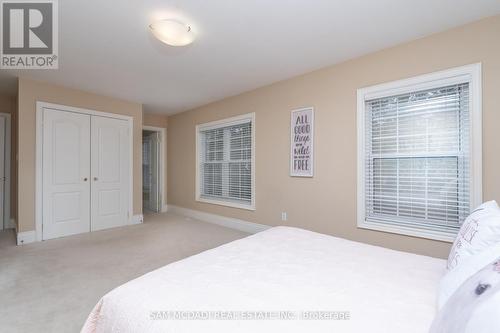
x=172, y=32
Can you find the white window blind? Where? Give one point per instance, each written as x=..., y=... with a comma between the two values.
x=225, y=162
x=417, y=158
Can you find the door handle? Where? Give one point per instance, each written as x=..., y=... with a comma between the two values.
x=95, y=178
x=85, y=179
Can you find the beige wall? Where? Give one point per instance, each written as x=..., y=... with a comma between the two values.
x=32, y=91
x=327, y=202
x=153, y=119
x=158, y=120
x=8, y=104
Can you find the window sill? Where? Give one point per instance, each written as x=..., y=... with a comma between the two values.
x=227, y=204
x=409, y=231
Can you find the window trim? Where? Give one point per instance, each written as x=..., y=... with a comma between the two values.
x=223, y=123
x=465, y=74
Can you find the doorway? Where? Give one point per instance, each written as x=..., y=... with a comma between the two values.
x=5, y=146
x=153, y=169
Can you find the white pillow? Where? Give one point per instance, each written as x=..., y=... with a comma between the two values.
x=485, y=318
x=479, y=231
x=475, y=306
x=453, y=279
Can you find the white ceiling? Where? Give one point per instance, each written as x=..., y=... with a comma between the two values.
x=105, y=46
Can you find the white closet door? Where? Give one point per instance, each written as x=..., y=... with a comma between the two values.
x=110, y=172
x=2, y=170
x=66, y=173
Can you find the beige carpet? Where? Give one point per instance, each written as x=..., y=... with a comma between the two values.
x=52, y=286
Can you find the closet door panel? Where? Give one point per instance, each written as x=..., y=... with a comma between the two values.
x=66, y=173
x=110, y=172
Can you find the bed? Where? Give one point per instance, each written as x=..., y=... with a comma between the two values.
x=279, y=280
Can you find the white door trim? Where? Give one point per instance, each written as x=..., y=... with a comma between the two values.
x=39, y=154
x=6, y=211
x=163, y=147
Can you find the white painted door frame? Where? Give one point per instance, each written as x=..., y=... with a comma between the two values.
x=163, y=152
x=6, y=212
x=39, y=157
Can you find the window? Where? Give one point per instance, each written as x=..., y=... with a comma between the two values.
x=225, y=160
x=419, y=152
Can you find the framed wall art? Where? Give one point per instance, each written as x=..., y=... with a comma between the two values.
x=302, y=143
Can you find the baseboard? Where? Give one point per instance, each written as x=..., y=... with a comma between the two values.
x=164, y=209
x=137, y=219
x=228, y=222
x=26, y=237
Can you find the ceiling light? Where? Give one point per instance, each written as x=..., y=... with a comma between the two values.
x=172, y=32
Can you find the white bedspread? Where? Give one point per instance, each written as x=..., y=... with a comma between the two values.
x=287, y=270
